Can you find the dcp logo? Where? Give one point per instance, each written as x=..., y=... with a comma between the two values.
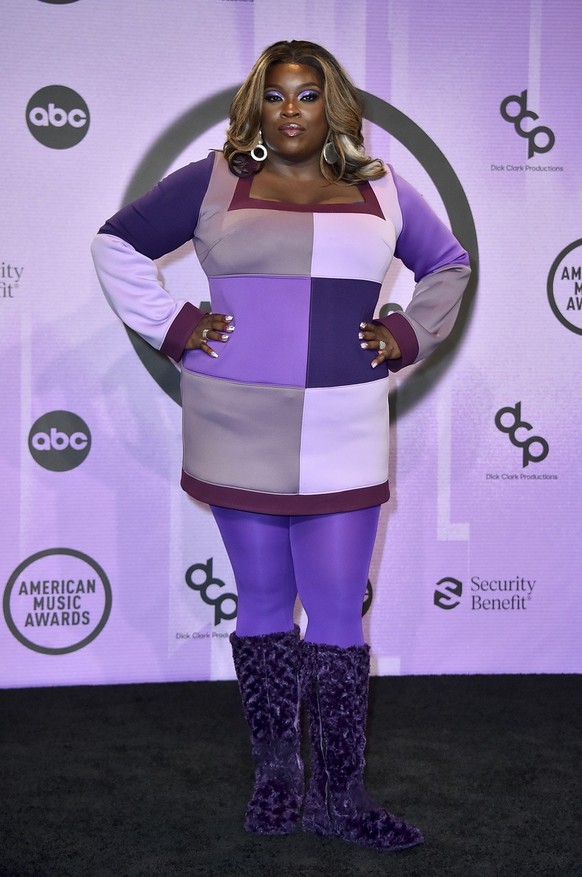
x=448, y=593
x=59, y=440
x=511, y=430
x=57, y=117
x=204, y=586
x=546, y=134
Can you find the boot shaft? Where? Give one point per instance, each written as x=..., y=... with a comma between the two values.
x=267, y=669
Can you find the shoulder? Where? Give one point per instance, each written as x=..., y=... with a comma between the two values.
x=195, y=173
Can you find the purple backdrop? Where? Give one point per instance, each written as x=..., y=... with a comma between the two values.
x=110, y=573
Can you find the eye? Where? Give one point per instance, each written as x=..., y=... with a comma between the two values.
x=309, y=96
x=272, y=96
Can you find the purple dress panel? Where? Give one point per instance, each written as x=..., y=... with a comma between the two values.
x=165, y=217
x=248, y=349
x=425, y=243
x=337, y=309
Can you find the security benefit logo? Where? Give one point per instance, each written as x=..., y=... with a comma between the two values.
x=59, y=441
x=57, y=601
x=565, y=287
x=10, y=276
x=514, y=110
x=57, y=117
x=485, y=595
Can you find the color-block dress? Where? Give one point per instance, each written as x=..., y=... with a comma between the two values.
x=291, y=418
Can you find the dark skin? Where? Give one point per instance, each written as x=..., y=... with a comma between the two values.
x=294, y=126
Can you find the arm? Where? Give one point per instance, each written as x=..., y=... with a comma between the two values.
x=126, y=246
x=441, y=270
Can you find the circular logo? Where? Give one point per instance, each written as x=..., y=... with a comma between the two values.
x=368, y=597
x=565, y=287
x=57, y=117
x=59, y=441
x=205, y=115
x=57, y=601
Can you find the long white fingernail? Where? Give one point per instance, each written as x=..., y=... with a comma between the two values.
x=229, y=318
x=360, y=335
x=214, y=354
x=374, y=364
x=225, y=337
x=230, y=328
x=364, y=344
x=362, y=325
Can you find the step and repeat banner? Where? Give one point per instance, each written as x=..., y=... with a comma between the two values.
x=109, y=572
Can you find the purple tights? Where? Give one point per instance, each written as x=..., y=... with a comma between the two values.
x=322, y=558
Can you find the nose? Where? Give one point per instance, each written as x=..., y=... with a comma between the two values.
x=289, y=108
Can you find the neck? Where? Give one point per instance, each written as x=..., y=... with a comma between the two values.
x=307, y=170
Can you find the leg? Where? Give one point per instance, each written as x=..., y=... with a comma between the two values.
x=260, y=554
x=266, y=658
x=332, y=555
x=334, y=680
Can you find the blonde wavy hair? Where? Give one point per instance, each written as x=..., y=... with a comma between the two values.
x=343, y=110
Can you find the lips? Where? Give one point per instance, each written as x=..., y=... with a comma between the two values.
x=291, y=129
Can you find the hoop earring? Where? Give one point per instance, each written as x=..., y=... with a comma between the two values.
x=329, y=151
x=259, y=152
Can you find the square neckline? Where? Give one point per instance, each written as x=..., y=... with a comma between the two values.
x=242, y=200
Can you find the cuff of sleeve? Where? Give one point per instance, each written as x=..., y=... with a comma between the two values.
x=400, y=328
x=179, y=332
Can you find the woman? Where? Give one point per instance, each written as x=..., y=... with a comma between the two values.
x=285, y=402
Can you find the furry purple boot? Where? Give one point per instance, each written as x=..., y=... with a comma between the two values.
x=267, y=668
x=335, y=689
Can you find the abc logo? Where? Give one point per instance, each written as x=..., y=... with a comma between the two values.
x=57, y=117
x=59, y=441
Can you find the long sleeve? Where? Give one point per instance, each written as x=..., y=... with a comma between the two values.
x=441, y=270
x=126, y=246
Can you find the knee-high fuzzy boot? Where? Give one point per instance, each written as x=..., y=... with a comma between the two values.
x=267, y=668
x=335, y=689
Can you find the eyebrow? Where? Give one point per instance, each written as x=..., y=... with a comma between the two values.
x=303, y=85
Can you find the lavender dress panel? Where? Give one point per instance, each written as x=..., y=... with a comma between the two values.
x=344, y=442
x=337, y=309
x=241, y=435
x=355, y=245
x=269, y=344
x=165, y=217
x=132, y=287
x=385, y=191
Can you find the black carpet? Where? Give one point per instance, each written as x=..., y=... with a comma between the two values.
x=152, y=780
